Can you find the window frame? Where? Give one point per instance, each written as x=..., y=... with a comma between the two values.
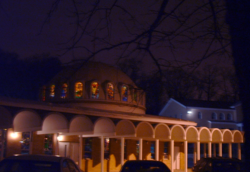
x=97, y=92
x=76, y=87
x=108, y=91
x=125, y=93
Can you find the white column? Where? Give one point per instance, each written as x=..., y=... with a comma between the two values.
x=186, y=155
x=172, y=155
x=157, y=149
x=198, y=151
x=230, y=150
x=220, y=149
x=102, y=154
x=140, y=149
x=195, y=153
x=239, y=151
x=205, y=150
x=209, y=149
x=80, y=152
x=122, y=150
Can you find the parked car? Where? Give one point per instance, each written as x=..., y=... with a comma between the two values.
x=144, y=166
x=38, y=163
x=219, y=164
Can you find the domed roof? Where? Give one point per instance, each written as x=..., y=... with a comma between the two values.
x=90, y=71
x=95, y=85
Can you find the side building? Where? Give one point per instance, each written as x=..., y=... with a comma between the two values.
x=95, y=114
x=211, y=114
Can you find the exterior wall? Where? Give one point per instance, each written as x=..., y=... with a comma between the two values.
x=131, y=149
x=13, y=144
x=146, y=154
x=37, y=143
x=166, y=160
x=115, y=155
x=207, y=115
x=225, y=125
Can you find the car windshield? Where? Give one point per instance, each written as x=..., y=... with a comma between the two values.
x=8, y=165
x=143, y=166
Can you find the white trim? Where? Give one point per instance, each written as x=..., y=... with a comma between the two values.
x=193, y=107
x=53, y=131
x=222, y=122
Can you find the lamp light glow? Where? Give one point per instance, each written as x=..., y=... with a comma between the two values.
x=14, y=135
x=189, y=112
x=59, y=138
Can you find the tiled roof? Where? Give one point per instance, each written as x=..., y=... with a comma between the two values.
x=205, y=104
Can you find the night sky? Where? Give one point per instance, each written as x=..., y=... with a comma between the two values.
x=23, y=32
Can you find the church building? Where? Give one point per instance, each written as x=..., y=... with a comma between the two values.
x=95, y=114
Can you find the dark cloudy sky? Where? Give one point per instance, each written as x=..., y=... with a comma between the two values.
x=21, y=22
x=22, y=30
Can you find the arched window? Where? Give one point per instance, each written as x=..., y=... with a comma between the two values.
x=94, y=90
x=78, y=90
x=110, y=91
x=214, y=115
x=64, y=92
x=222, y=116
x=52, y=91
x=199, y=115
x=124, y=93
x=44, y=93
x=229, y=117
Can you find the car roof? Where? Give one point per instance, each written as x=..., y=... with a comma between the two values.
x=221, y=159
x=51, y=158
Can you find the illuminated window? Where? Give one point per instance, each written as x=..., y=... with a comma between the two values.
x=152, y=150
x=25, y=143
x=214, y=115
x=124, y=93
x=88, y=148
x=110, y=91
x=52, y=91
x=64, y=92
x=94, y=90
x=48, y=144
x=44, y=93
x=106, y=148
x=78, y=90
x=134, y=95
x=229, y=116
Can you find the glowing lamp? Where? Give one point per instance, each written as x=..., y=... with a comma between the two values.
x=14, y=135
x=59, y=138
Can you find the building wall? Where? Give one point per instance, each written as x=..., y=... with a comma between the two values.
x=13, y=144
x=37, y=143
x=207, y=115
